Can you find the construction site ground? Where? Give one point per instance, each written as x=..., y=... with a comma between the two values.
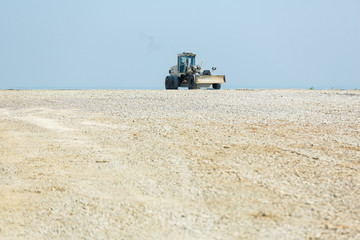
x=187, y=164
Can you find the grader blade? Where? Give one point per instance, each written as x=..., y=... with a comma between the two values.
x=209, y=79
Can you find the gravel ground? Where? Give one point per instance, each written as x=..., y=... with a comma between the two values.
x=202, y=164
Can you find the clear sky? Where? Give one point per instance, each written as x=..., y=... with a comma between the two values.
x=87, y=44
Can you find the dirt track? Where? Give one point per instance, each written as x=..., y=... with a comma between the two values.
x=103, y=164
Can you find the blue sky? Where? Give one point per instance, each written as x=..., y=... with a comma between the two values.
x=87, y=44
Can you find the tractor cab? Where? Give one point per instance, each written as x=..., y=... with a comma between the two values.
x=185, y=60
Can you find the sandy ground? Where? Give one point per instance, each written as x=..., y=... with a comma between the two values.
x=202, y=164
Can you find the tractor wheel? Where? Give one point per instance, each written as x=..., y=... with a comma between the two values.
x=216, y=85
x=167, y=83
x=192, y=84
x=175, y=83
x=172, y=83
x=206, y=72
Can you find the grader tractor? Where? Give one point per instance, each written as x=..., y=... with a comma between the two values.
x=187, y=74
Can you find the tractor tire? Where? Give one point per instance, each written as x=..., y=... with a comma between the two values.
x=206, y=72
x=175, y=83
x=167, y=83
x=216, y=85
x=172, y=83
x=192, y=84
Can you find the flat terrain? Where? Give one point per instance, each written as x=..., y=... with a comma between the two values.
x=202, y=164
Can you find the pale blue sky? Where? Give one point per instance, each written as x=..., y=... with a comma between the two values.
x=132, y=44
